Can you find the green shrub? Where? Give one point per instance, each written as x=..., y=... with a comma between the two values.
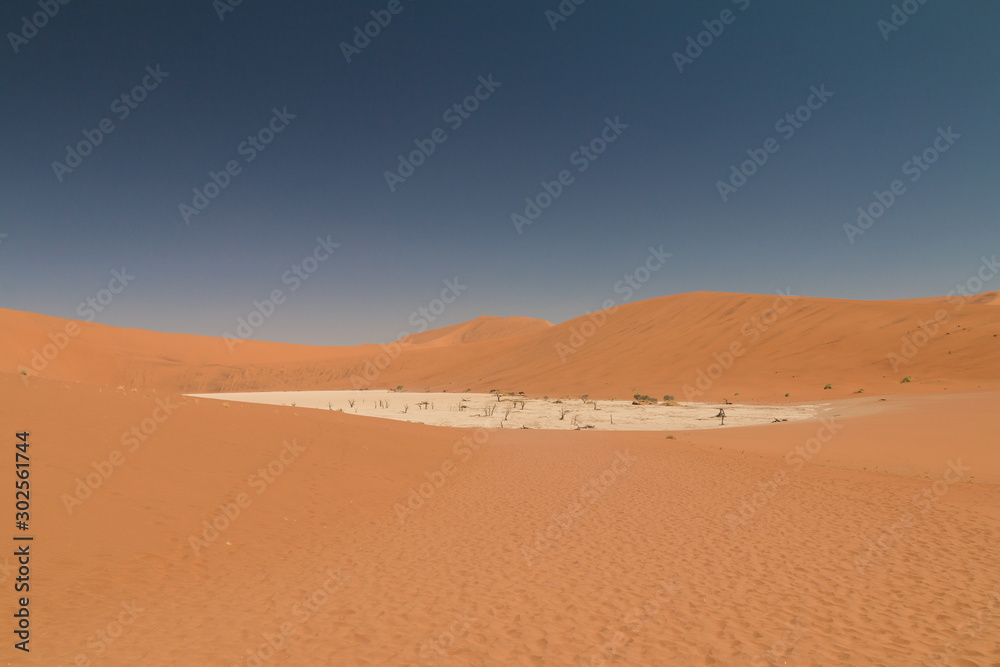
x=829, y=386
x=906, y=379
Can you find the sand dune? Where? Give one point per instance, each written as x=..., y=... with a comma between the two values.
x=678, y=552
x=475, y=331
x=700, y=346
x=172, y=530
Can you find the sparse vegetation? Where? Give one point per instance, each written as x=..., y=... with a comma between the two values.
x=787, y=394
x=22, y=372
x=908, y=378
x=562, y=413
x=585, y=397
x=668, y=397
x=828, y=386
x=643, y=398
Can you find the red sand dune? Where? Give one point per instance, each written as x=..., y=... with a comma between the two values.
x=477, y=330
x=655, y=347
x=871, y=540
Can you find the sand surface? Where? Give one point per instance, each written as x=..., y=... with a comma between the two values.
x=867, y=534
x=491, y=411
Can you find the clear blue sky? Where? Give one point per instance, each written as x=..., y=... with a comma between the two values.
x=324, y=173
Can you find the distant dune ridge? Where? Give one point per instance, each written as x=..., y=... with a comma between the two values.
x=702, y=345
x=474, y=331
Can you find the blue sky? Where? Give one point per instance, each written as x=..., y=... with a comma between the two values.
x=211, y=88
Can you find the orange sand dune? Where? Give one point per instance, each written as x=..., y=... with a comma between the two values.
x=526, y=547
x=477, y=330
x=699, y=346
x=171, y=530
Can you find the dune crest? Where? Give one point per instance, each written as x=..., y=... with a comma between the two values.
x=698, y=346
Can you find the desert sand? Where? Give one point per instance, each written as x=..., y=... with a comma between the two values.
x=175, y=530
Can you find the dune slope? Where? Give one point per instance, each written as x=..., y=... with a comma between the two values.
x=247, y=535
x=694, y=346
